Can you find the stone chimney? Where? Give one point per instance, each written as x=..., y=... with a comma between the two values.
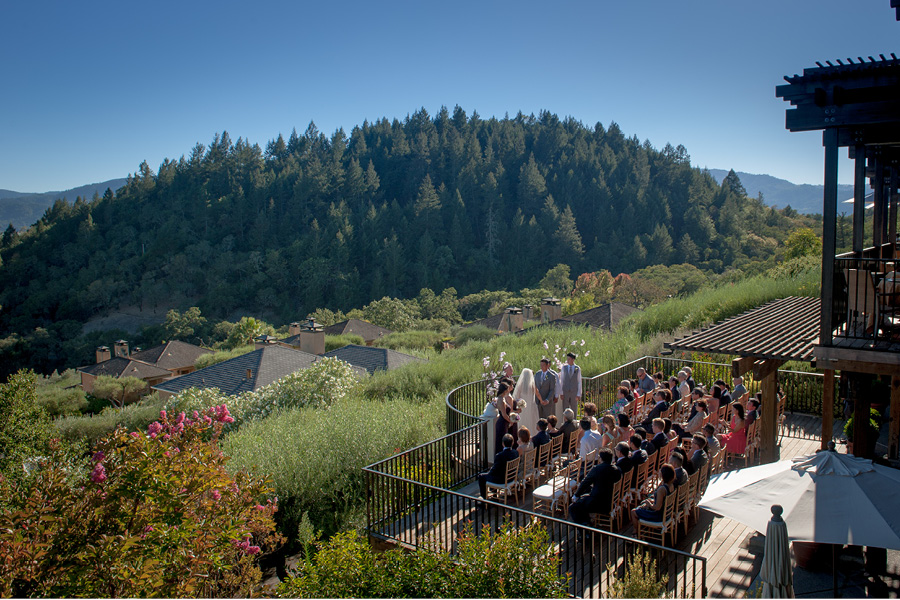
x=550, y=309
x=263, y=340
x=512, y=320
x=528, y=312
x=121, y=349
x=312, y=337
x=102, y=353
x=294, y=329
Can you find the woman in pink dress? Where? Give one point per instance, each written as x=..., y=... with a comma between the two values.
x=736, y=439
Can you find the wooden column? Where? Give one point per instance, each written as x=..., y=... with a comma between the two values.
x=827, y=408
x=768, y=426
x=879, y=216
x=895, y=197
x=859, y=198
x=894, y=439
x=829, y=232
x=860, y=418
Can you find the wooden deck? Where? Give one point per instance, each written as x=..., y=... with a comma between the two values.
x=733, y=551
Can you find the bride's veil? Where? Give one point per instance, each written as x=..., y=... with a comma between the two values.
x=525, y=386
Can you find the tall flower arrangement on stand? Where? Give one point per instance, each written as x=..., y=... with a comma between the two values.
x=557, y=356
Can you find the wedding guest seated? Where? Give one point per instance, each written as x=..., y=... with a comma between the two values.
x=625, y=429
x=735, y=440
x=590, y=411
x=676, y=459
x=594, y=495
x=659, y=378
x=524, y=441
x=684, y=390
x=690, y=377
x=738, y=389
x=660, y=439
x=638, y=454
x=725, y=396
x=645, y=382
x=541, y=437
x=673, y=389
x=698, y=454
x=551, y=425
x=752, y=411
x=567, y=428
x=693, y=425
x=646, y=445
x=662, y=398
x=623, y=457
x=651, y=508
x=610, y=432
x=668, y=429
x=623, y=397
x=498, y=471
x=712, y=442
x=590, y=439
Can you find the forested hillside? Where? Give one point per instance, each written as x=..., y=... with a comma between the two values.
x=428, y=202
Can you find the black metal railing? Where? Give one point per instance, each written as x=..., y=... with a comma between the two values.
x=866, y=301
x=413, y=500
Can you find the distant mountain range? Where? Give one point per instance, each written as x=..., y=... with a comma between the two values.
x=803, y=198
x=23, y=209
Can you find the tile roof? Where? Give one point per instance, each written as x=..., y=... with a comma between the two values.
x=373, y=359
x=364, y=329
x=172, y=355
x=606, y=316
x=124, y=367
x=491, y=322
x=266, y=365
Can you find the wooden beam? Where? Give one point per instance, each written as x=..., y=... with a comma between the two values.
x=827, y=408
x=861, y=404
x=827, y=355
x=768, y=434
x=894, y=438
x=878, y=215
x=809, y=117
x=894, y=197
x=829, y=234
x=739, y=366
x=859, y=199
x=763, y=369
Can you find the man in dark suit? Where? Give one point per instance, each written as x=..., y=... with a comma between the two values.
x=662, y=398
x=594, y=495
x=638, y=454
x=660, y=439
x=724, y=394
x=646, y=445
x=677, y=461
x=541, y=437
x=498, y=471
x=567, y=428
x=545, y=384
x=698, y=453
x=623, y=458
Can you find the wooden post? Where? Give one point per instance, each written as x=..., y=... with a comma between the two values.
x=892, y=217
x=860, y=417
x=879, y=220
x=859, y=198
x=829, y=232
x=827, y=408
x=894, y=439
x=768, y=427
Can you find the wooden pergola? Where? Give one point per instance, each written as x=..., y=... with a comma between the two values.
x=763, y=339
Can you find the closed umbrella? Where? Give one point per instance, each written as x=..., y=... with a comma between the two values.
x=777, y=574
x=827, y=497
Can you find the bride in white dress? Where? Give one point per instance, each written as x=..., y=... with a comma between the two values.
x=524, y=391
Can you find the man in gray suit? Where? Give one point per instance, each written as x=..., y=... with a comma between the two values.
x=545, y=382
x=570, y=382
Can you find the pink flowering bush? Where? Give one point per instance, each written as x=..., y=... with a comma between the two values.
x=151, y=514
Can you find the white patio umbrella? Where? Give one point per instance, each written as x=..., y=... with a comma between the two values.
x=776, y=574
x=827, y=497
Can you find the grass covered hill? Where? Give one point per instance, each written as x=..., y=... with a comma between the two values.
x=450, y=200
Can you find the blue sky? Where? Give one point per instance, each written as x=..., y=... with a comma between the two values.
x=91, y=89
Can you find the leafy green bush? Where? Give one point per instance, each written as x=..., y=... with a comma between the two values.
x=475, y=333
x=333, y=342
x=207, y=360
x=319, y=386
x=89, y=428
x=516, y=563
x=60, y=394
x=24, y=426
x=640, y=579
x=314, y=458
x=151, y=514
x=410, y=340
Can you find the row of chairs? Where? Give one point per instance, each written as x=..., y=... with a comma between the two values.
x=532, y=468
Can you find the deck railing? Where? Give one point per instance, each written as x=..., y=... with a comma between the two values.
x=865, y=301
x=803, y=390
x=413, y=500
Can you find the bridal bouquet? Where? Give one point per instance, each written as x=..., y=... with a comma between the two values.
x=521, y=404
x=514, y=416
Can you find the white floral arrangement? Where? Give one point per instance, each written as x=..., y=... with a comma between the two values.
x=521, y=404
x=514, y=417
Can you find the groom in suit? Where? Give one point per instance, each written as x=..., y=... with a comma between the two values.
x=570, y=382
x=545, y=382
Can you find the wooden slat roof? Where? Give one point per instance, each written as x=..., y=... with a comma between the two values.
x=785, y=329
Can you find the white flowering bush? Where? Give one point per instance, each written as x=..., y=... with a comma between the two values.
x=319, y=386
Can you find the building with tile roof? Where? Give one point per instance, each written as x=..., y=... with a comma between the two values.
x=118, y=367
x=373, y=359
x=367, y=331
x=175, y=356
x=606, y=316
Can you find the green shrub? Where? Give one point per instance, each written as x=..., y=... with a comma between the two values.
x=89, y=428
x=475, y=333
x=640, y=579
x=60, y=394
x=24, y=426
x=151, y=514
x=515, y=563
x=410, y=340
x=314, y=458
x=207, y=360
x=333, y=342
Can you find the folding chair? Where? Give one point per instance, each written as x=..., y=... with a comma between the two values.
x=510, y=484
